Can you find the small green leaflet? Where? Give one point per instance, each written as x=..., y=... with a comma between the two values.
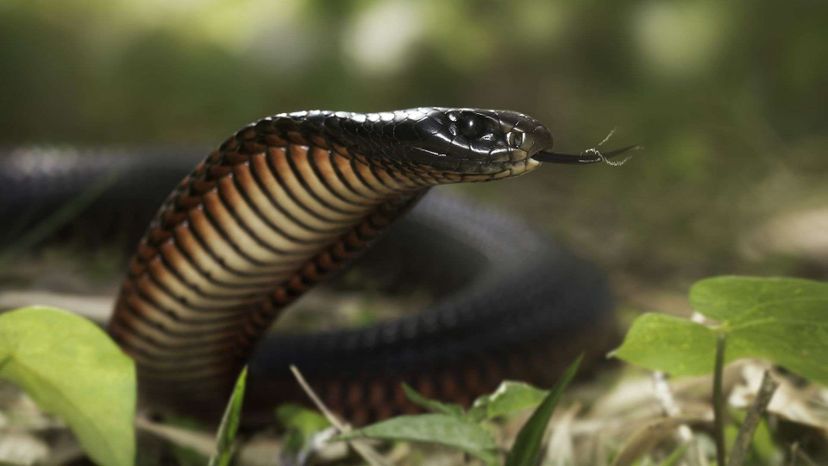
x=301, y=424
x=442, y=429
x=510, y=397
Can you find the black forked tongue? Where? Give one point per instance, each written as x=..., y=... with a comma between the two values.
x=592, y=155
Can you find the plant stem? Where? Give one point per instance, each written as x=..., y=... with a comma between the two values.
x=754, y=415
x=718, y=401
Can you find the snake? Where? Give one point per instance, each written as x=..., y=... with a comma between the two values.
x=293, y=200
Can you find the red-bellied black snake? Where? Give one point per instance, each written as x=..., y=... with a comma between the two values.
x=288, y=201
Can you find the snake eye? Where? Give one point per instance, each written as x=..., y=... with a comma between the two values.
x=515, y=138
x=471, y=126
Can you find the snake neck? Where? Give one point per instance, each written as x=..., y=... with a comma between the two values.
x=255, y=226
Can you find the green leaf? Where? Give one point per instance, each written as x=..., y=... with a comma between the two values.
x=737, y=299
x=526, y=450
x=301, y=424
x=670, y=344
x=783, y=320
x=509, y=397
x=415, y=397
x=230, y=424
x=442, y=429
x=71, y=368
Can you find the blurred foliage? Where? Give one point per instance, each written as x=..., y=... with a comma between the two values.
x=730, y=99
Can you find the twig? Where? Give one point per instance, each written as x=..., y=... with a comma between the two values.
x=201, y=442
x=795, y=454
x=792, y=454
x=718, y=400
x=665, y=397
x=754, y=414
x=804, y=457
x=366, y=452
x=329, y=415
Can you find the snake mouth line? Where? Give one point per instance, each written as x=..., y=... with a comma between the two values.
x=592, y=155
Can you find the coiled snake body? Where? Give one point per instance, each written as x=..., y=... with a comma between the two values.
x=288, y=201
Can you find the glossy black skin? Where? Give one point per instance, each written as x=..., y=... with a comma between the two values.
x=519, y=292
x=454, y=140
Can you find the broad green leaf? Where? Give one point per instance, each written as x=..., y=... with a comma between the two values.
x=71, y=368
x=301, y=424
x=226, y=435
x=509, y=397
x=442, y=429
x=432, y=405
x=783, y=320
x=737, y=299
x=527, y=447
x=670, y=344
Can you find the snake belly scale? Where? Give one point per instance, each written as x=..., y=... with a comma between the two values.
x=281, y=205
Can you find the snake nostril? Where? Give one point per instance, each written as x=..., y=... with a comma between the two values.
x=541, y=139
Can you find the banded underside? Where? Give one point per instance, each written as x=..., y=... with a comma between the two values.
x=257, y=224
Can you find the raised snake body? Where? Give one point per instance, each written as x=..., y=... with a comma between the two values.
x=288, y=201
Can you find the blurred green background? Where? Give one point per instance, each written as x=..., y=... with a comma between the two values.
x=730, y=100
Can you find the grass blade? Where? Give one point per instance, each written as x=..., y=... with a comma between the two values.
x=364, y=450
x=527, y=447
x=229, y=424
x=55, y=220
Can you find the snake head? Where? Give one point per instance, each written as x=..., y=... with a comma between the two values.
x=452, y=144
x=473, y=144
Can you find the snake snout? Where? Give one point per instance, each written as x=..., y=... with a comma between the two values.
x=540, y=140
